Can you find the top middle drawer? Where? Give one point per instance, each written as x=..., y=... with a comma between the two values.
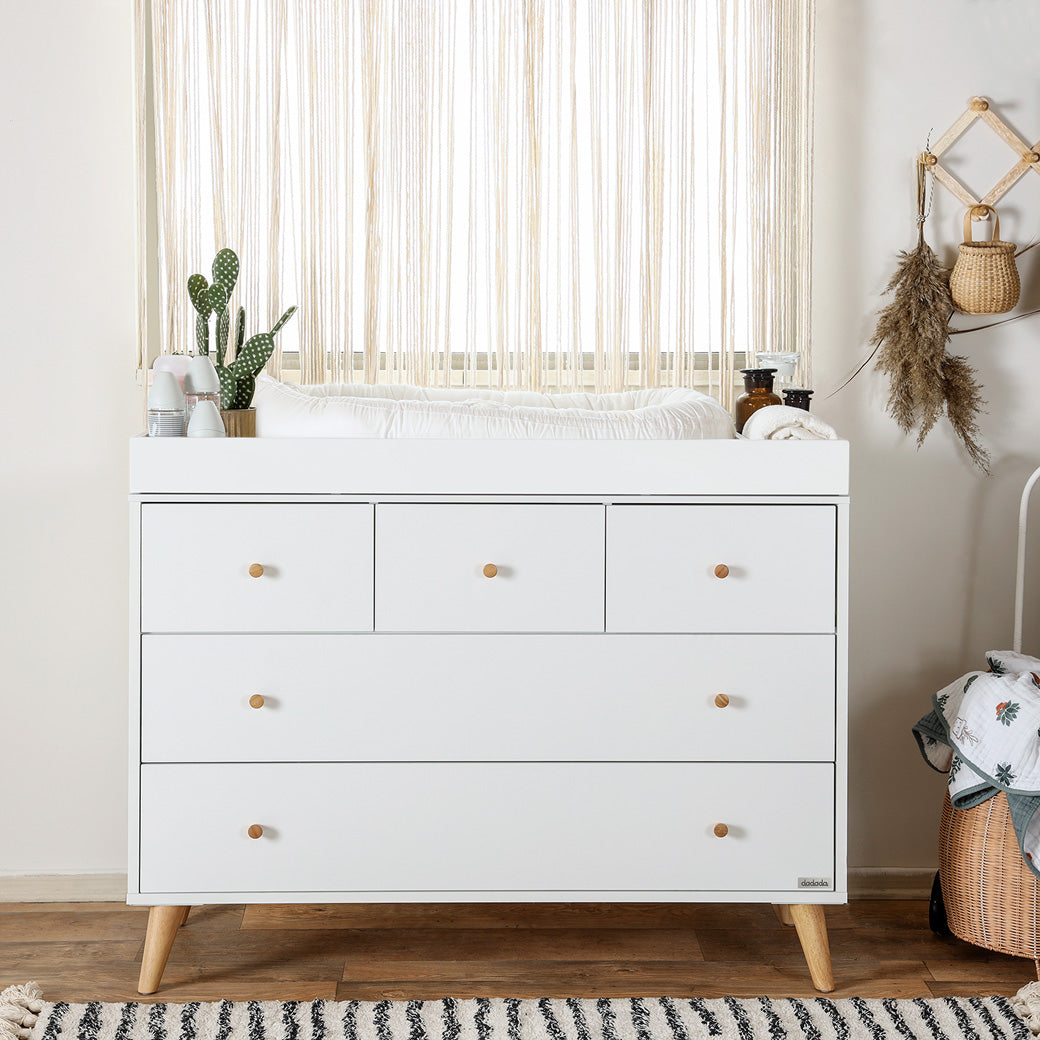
x=478, y=567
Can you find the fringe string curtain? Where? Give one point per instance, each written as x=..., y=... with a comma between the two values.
x=542, y=194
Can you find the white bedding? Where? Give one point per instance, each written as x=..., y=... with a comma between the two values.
x=338, y=410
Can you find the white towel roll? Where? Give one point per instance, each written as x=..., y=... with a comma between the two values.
x=779, y=422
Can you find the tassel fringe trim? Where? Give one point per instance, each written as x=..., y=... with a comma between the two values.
x=20, y=1007
x=1026, y=1004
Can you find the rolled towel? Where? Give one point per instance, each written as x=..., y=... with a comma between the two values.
x=779, y=422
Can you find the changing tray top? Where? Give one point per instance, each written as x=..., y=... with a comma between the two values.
x=401, y=466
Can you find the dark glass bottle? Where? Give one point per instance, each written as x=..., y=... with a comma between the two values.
x=795, y=397
x=758, y=393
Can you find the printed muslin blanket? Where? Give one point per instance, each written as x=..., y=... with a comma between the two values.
x=985, y=732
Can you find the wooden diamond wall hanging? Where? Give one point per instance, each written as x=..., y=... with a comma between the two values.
x=1028, y=157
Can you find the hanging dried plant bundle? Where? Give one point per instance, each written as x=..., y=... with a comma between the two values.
x=910, y=341
x=911, y=334
x=963, y=405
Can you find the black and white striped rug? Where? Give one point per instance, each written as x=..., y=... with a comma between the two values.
x=645, y=1018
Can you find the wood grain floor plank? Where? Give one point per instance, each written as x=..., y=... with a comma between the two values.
x=47, y=925
x=535, y=944
x=854, y=943
x=556, y=979
x=976, y=989
x=291, y=956
x=22, y=959
x=990, y=967
x=583, y=981
x=880, y=948
x=81, y=987
x=63, y=926
x=473, y=915
x=94, y=907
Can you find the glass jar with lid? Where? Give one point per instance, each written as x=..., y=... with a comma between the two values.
x=758, y=393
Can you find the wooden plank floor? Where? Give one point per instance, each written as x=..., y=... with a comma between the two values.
x=883, y=948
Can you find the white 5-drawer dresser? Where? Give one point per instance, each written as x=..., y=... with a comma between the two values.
x=393, y=670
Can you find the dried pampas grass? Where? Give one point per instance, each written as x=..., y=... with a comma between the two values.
x=926, y=382
x=911, y=333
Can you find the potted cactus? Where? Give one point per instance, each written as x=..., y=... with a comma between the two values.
x=238, y=375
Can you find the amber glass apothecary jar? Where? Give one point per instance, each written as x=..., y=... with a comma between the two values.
x=758, y=393
x=796, y=397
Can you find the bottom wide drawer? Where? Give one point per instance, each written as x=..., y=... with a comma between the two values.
x=493, y=827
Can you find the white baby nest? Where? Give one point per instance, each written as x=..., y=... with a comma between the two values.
x=349, y=410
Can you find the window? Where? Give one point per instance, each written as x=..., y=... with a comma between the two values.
x=547, y=194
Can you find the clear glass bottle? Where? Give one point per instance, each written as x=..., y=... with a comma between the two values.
x=785, y=363
x=758, y=393
x=200, y=384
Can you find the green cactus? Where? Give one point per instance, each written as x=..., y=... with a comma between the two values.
x=283, y=319
x=223, y=327
x=225, y=274
x=198, y=294
x=237, y=379
x=217, y=295
x=207, y=299
x=245, y=387
x=225, y=269
x=197, y=285
x=227, y=386
x=251, y=359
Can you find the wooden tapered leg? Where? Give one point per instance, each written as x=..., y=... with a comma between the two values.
x=163, y=922
x=783, y=914
x=184, y=918
x=811, y=926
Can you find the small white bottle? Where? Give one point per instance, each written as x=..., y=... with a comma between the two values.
x=206, y=421
x=165, y=406
x=201, y=383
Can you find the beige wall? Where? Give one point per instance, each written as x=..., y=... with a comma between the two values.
x=69, y=404
x=933, y=541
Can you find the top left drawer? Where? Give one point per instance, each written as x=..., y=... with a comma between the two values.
x=254, y=567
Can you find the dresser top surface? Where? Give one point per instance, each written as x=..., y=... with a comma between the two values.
x=317, y=466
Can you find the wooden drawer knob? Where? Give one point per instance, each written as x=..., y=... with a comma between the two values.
x=721, y=700
x=721, y=571
x=721, y=830
x=256, y=570
x=257, y=700
x=255, y=831
x=490, y=570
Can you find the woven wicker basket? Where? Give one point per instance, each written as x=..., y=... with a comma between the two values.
x=992, y=898
x=984, y=279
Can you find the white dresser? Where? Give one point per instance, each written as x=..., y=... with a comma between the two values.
x=488, y=670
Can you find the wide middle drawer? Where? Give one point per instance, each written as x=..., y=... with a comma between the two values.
x=477, y=567
x=490, y=697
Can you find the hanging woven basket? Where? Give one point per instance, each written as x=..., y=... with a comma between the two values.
x=984, y=279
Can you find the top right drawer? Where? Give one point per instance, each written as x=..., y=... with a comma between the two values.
x=721, y=568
